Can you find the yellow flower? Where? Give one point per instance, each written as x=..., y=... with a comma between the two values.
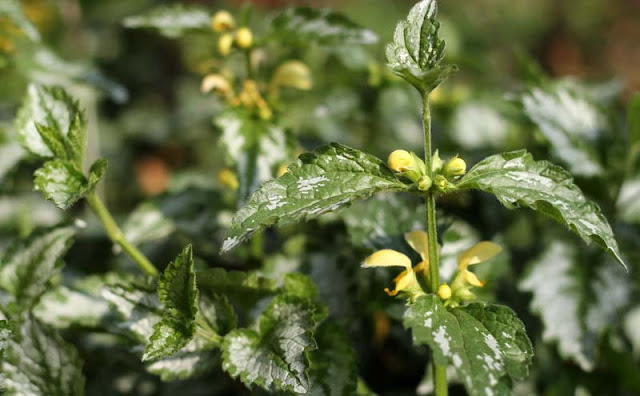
x=444, y=291
x=225, y=42
x=476, y=254
x=401, y=161
x=217, y=83
x=406, y=281
x=244, y=37
x=222, y=21
x=455, y=167
x=228, y=179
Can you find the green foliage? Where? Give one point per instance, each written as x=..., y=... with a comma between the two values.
x=483, y=342
x=179, y=298
x=571, y=123
x=633, y=121
x=255, y=147
x=245, y=288
x=274, y=356
x=575, y=311
x=417, y=51
x=171, y=20
x=321, y=181
x=26, y=271
x=37, y=361
x=517, y=180
x=302, y=26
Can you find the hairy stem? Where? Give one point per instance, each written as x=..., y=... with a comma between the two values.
x=439, y=372
x=117, y=236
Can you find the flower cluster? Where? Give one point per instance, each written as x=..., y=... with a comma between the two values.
x=443, y=175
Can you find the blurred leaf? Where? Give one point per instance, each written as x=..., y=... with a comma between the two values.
x=459, y=237
x=467, y=341
x=571, y=123
x=333, y=369
x=574, y=312
x=633, y=120
x=147, y=223
x=179, y=298
x=139, y=310
x=517, y=180
x=12, y=9
x=62, y=118
x=172, y=20
x=26, y=271
x=37, y=361
x=324, y=180
x=301, y=26
x=275, y=356
x=476, y=125
x=10, y=156
x=382, y=221
x=243, y=287
x=417, y=51
x=218, y=313
x=631, y=325
x=255, y=147
x=5, y=335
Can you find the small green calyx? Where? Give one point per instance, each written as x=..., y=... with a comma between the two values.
x=425, y=183
x=436, y=162
x=441, y=183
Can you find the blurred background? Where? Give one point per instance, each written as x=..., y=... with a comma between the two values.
x=148, y=116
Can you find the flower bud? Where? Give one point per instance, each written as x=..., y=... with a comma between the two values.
x=455, y=167
x=425, y=183
x=222, y=21
x=464, y=294
x=436, y=162
x=224, y=44
x=441, y=182
x=444, y=291
x=244, y=37
x=401, y=161
x=293, y=74
x=216, y=83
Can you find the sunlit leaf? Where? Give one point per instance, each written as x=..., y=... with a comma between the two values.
x=172, y=20
x=517, y=180
x=321, y=181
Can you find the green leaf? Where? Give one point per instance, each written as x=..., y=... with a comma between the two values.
x=334, y=364
x=571, y=123
x=61, y=183
x=97, y=172
x=11, y=154
x=5, y=335
x=172, y=20
x=575, y=308
x=517, y=180
x=273, y=357
x=459, y=338
x=301, y=26
x=50, y=112
x=218, y=313
x=139, y=310
x=324, y=180
x=509, y=332
x=179, y=298
x=254, y=147
x=417, y=51
x=633, y=120
x=37, y=361
x=147, y=223
x=382, y=221
x=25, y=273
x=245, y=288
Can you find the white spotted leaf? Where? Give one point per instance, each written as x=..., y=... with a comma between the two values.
x=322, y=181
x=417, y=51
x=274, y=356
x=480, y=349
x=172, y=20
x=517, y=180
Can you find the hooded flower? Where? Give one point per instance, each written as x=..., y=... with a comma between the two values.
x=406, y=281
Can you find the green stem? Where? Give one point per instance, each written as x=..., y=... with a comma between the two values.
x=117, y=236
x=247, y=57
x=439, y=372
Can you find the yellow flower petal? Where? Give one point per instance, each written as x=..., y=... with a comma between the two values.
x=406, y=279
x=387, y=258
x=444, y=291
x=419, y=241
x=472, y=279
x=478, y=253
x=422, y=267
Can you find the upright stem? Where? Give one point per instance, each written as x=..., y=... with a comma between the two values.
x=117, y=236
x=439, y=372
